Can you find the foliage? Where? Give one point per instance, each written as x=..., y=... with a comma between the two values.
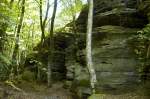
x=30, y=34
x=145, y=33
x=142, y=49
x=70, y=9
x=28, y=75
x=4, y=23
x=4, y=67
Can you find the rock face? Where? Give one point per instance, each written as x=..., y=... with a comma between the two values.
x=113, y=12
x=61, y=42
x=116, y=65
x=114, y=61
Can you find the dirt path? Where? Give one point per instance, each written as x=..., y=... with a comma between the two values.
x=40, y=91
x=55, y=92
x=124, y=96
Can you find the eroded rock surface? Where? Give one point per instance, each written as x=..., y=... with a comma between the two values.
x=115, y=62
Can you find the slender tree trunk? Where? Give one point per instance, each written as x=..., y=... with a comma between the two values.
x=46, y=15
x=51, y=42
x=43, y=22
x=28, y=39
x=89, y=47
x=74, y=24
x=148, y=51
x=18, y=30
x=33, y=36
x=16, y=49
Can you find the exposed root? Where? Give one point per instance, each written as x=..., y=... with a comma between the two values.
x=10, y=83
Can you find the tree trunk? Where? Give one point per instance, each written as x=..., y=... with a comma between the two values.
x=89, y=47
x=51, y=42
x=43, y=22
x=33, y=36
x=46, y=15
x=16, y=49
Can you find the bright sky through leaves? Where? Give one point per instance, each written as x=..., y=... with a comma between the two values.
x=59, y=22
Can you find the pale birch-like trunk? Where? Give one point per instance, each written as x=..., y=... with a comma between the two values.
x=89, y=46
x=18, y=31
x=15, y=56
x=51, y=47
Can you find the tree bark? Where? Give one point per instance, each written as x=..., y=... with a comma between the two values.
x=16, y=49
x=18, y=30
x=89, y=47
x=51, y=42
x=33, y=36
x=43, y=22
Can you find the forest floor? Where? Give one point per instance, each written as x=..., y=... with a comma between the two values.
x=139, y=91
x=35, y=91
x=57, y=91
